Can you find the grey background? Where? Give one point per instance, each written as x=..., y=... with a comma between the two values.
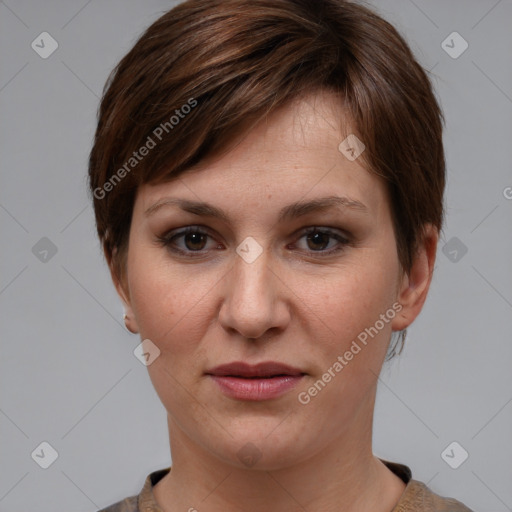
x=67, y=369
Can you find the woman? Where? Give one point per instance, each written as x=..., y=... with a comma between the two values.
x=268, y=183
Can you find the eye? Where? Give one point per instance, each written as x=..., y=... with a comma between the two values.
x=318, y=239
x=192, y=241
x=187, y=241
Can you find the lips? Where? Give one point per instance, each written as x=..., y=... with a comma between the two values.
x=264, y=381
x=262, y=370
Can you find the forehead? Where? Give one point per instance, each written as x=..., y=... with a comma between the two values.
x=291, y=155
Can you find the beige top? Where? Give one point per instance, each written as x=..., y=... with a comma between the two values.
x=417, y=497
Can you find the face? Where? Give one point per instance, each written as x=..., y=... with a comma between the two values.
x=266, y=281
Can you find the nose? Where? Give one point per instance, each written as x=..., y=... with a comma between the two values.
x=255, y=299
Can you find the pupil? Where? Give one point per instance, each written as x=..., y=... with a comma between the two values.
x=195, y=238
x=317, y=239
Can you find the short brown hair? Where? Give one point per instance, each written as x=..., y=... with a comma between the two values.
x=230, y=61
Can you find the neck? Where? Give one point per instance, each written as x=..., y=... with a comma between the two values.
x=343, y=476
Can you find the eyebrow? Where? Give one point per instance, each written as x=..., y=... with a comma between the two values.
x=288, y=212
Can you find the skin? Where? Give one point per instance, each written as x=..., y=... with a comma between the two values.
x=290, y=305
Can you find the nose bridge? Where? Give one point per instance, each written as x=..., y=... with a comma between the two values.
x=251, y=285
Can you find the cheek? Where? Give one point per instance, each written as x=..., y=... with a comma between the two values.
x=171, y=310
x=349, y=299
x=344, y=318
x=170, y=303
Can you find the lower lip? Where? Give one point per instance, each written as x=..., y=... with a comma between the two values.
x=256, y=389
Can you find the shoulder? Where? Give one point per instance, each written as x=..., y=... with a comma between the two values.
x=420, y=497
x=143, y=501
x=127, y=505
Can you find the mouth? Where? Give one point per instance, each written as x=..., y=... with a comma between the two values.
x=264, y=381
x=262, y=377
x=266, y=370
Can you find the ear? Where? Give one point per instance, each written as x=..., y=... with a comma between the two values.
x=117, y=267
x=415, y=284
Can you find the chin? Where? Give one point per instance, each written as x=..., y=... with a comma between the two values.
x=259, y=450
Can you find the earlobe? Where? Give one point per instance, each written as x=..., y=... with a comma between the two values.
x=128, y=316
x=416, y=283
x=118, y=275
x=130, y=323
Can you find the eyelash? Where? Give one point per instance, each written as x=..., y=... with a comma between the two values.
x=168, y=239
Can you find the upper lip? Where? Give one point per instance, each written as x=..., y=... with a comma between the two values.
x=266, y=369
